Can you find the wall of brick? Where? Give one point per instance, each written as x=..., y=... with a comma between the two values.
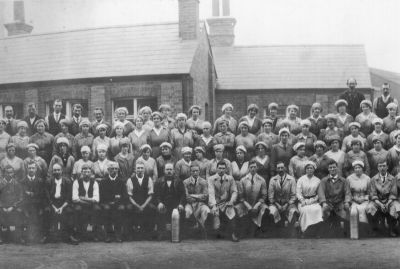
x=98, y=94
x=202, y=73
x=188, y=19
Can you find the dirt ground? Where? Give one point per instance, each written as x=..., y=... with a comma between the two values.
x=252, y=253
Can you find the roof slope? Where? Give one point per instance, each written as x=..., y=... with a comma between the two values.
x=103, y=52
x=290, y=67
x=388, y=75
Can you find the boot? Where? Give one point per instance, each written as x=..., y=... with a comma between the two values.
x=21, y=236
x=118, y=234
x=1, y=236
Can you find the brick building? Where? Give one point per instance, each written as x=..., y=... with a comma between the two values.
x=109, y=67
x=182, y=63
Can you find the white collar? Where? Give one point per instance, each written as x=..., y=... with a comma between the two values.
x=112, y=178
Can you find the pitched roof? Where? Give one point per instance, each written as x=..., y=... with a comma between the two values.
x=134, y=50
x=387, y=75
x=290, y=67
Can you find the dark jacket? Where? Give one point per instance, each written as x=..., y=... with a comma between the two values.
x=31, y=127
x=11, y=193
x=109, y=188
x=172, y=196
x=66, y=192
x=37, y=187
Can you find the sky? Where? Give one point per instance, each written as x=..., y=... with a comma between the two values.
x=374, y=23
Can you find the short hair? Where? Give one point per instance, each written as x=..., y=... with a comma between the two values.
x=252, y=162
x=8, y=106
x=31, y=163
x=140, y=163
x=221, y=163
x=385, y=84
x=57, y=101
x=99, y=108
x=280, y=162
x=165, y=166
x=57, y=164
x=77, y=106
x=332, y=161
x=194, y=164
x=382, y=161
x=32, y=104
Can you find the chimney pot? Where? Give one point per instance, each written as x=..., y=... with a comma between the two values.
x=222, y=28
x=18, y=26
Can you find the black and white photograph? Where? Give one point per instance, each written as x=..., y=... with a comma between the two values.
x=199, y=134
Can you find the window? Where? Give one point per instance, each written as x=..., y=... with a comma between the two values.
x=17, y=107
x=67, y=107
x=134, y=105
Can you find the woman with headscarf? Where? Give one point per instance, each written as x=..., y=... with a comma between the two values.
x=297, y=162
x=125, y=159
x=246, y=139
x=206, y=141
x=182, y=166
x=343, y=118
x=273, y=115
x=62, y=157
x=121, y=114
x=268, y=136
x=376, y=155
x=366, y=117
x=377, y=123
x=166, y=120
x=354, y=135
x=4, y=138
x=355, y=154
x=64, y=126
x=307, y=137
x=41, y=165
x=118, y=134
x=263, y=161
x=101, y=139
x=317, y=121
x=194, y=122
x=139, y=136
x=320, y=159
x=83, y=138
x=335, y=153
x=85, y=160
x=307, y=194
x=150, y=165
x=226, y=138
x=395, y=131
x=21, y=140
x=240, y=167
x=145, y=113
x=389, y=122
x=294, y=121
x=358, y=190
x=165, y=157
x=201, y=161
x=331, y=130
x=219, y=156
x=43, y=139
x=393, y=158
x=14, y=161
x=227, y=110
x=158, y=135
x=252, y=120
x=100, y=167
x=181, y=136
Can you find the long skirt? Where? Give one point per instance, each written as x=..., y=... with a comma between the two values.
x=309, y=215
x=362, y=209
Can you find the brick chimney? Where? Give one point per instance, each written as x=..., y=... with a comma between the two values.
x=189, y=19
x=2, y=14
x=221, y=25
x=18, y=26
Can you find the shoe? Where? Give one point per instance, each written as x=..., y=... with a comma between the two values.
x=234, y=238
x=44, y=240
x=107, y=239
x=72, y=240
x=160, y=237
x=118, y=239
x=392, y=233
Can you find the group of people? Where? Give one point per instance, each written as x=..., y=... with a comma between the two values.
x=236, y=176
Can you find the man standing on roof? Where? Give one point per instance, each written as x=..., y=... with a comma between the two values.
x=353, y=98
x=381, y=102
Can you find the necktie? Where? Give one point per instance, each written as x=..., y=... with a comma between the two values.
x=221, y=180
x=252, y=180
x=383, y=179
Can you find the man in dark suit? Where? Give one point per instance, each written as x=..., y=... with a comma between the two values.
x=11, y=198
x=99, y=118
x=11, y=122
x=53, y=120
x=169, y=194
x=33, y=204
x=113, y=197
x=140, y=208
x=76, y=119
x=353, y=98
x=58, y=209
x=32, y=118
